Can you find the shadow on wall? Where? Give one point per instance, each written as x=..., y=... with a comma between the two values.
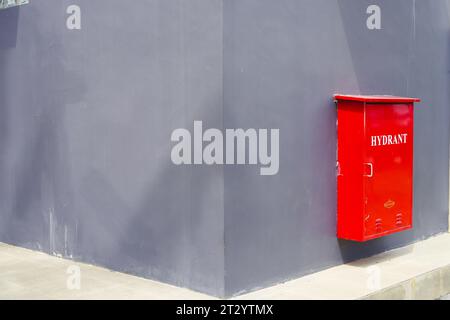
x=448, y=99
x=8, y=39
x=34, y=162
x=38, y=196
x=351, y=251
x=156, y=238
x=8, y=28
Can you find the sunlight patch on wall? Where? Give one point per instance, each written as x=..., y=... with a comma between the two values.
x=5, y=4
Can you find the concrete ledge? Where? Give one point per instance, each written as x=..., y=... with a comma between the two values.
x=429, y=286
x=418, y=271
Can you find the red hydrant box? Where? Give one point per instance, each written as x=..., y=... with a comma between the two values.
x=374, y=166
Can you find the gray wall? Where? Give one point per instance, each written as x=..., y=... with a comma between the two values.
x=86, y=117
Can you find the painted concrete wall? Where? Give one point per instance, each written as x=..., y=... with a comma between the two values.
x=283, y=59
x=86, y=118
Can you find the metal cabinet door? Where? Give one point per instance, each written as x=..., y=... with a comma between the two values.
x=388, y=174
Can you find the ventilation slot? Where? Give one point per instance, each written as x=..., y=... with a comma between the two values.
x=378, y=225
x=399, y=220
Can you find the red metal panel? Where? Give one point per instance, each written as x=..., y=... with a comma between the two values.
x=350, y=170
x=389, y=154
x=375, y=166
x=375, y=99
